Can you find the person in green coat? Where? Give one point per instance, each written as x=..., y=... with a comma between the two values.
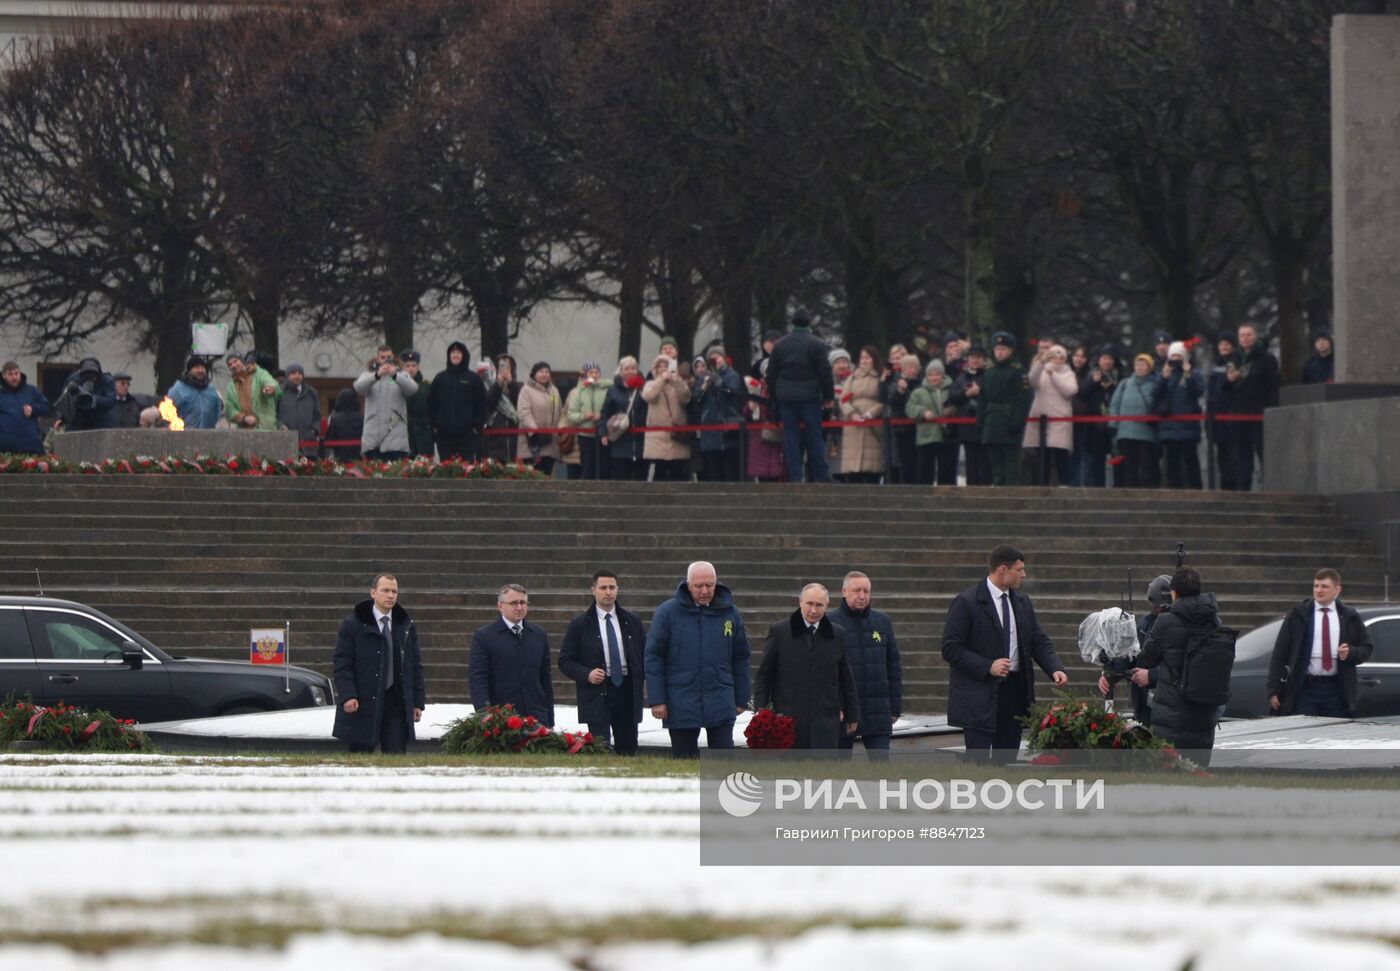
x=250, y=400
x=420, y=423
x=584, y=409
x=1006, y=400
x=926, y=403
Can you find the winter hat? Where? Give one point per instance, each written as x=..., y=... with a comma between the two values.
x=1162, y=337
x=716, y=349
x=801, y=318
x=936, y=367
x=1151, y=361
x=297, y=368
x=537, y=367
x=589, y=366
x=196, y=361
x=89, y=365
x=1229, y=337
x=411, y=355
x=771, y=335
x=122, y=376
x=977, y=349
x=1003, y=339
x=1178, y=347
x=838, y=355
x=1159, y=591
x=671, y=341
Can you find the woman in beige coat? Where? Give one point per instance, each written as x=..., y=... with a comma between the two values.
x=1055, y=385
x=540, y=407
x=666, y=395
x=863, y=447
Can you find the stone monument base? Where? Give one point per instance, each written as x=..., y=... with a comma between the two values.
x=1341, y=444
x=125, y=443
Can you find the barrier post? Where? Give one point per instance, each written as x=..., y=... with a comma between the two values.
x=1044, y=462
x=743, y=448
x=1210, y=448
x=889, y=450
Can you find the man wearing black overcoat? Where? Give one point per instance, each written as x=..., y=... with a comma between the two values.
x=804, y=674
x=509, y=663
x=378, y=672
x=604, y=653
x=1322, y=640
x=989, y=641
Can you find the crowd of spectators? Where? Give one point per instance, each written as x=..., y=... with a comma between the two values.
x=952, y=410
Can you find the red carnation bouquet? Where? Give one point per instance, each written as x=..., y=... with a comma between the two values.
x=634, y=382
x=768, y=729
x=499, y=729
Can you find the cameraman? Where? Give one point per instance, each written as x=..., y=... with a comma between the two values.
x=88, y=398
x=1141, y=680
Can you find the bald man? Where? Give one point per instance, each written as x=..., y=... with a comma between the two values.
x=697, y=663
x=804, y=674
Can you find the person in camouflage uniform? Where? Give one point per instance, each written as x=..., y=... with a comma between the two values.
x=1005, y=401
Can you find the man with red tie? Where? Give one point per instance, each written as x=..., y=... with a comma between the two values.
x=1322, y=640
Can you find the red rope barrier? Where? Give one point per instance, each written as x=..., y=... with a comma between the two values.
x=854, y=423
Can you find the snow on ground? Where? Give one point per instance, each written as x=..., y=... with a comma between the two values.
x=174, y=845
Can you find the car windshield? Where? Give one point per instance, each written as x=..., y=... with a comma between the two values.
x=1258, y=642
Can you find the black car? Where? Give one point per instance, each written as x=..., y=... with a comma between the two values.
x=1377, y=681
x=56, y=650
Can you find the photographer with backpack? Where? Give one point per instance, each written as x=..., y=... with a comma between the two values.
x=1197, y=652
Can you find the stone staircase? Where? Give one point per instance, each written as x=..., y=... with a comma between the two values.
x=194, y=562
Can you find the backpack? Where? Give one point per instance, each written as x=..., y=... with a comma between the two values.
x=1205, y=669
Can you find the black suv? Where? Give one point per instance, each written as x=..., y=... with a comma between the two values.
x=56, y=650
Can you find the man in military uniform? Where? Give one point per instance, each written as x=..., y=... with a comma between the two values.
x=1005, y=401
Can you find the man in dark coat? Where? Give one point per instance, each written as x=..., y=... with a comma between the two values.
x=1183, y=723
x=87, y=399
x=21, y=407
x=873, y=654
x=603, y=652
x=457, y=406
x=1319, y=368
x=300, y=410
x=1001, y=416
x=1249, y=389
x=804, y=674
x=126, y=407
x=964, y=396
x=989, y=641
x=509, y=662
x=800, y=382
x=697, y=663
x=1322, y=640
x=378, y=672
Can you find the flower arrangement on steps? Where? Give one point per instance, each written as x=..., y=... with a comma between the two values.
x=500, y=730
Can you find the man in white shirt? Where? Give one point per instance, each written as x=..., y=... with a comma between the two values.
x=1322, y=640
x=378, y=672
x=603, y=654
x=989, y=641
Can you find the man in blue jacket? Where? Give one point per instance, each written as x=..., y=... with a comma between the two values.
x=21, y=406
x=873, y=654
x=509, y=662
x=697, y=663
x=196, y=401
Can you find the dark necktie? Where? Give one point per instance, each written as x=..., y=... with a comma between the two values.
x=388, y=639
x=515, y=629
x=1326, y=642
x=614, y=652
x=1006, y=625
x=812, y=631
